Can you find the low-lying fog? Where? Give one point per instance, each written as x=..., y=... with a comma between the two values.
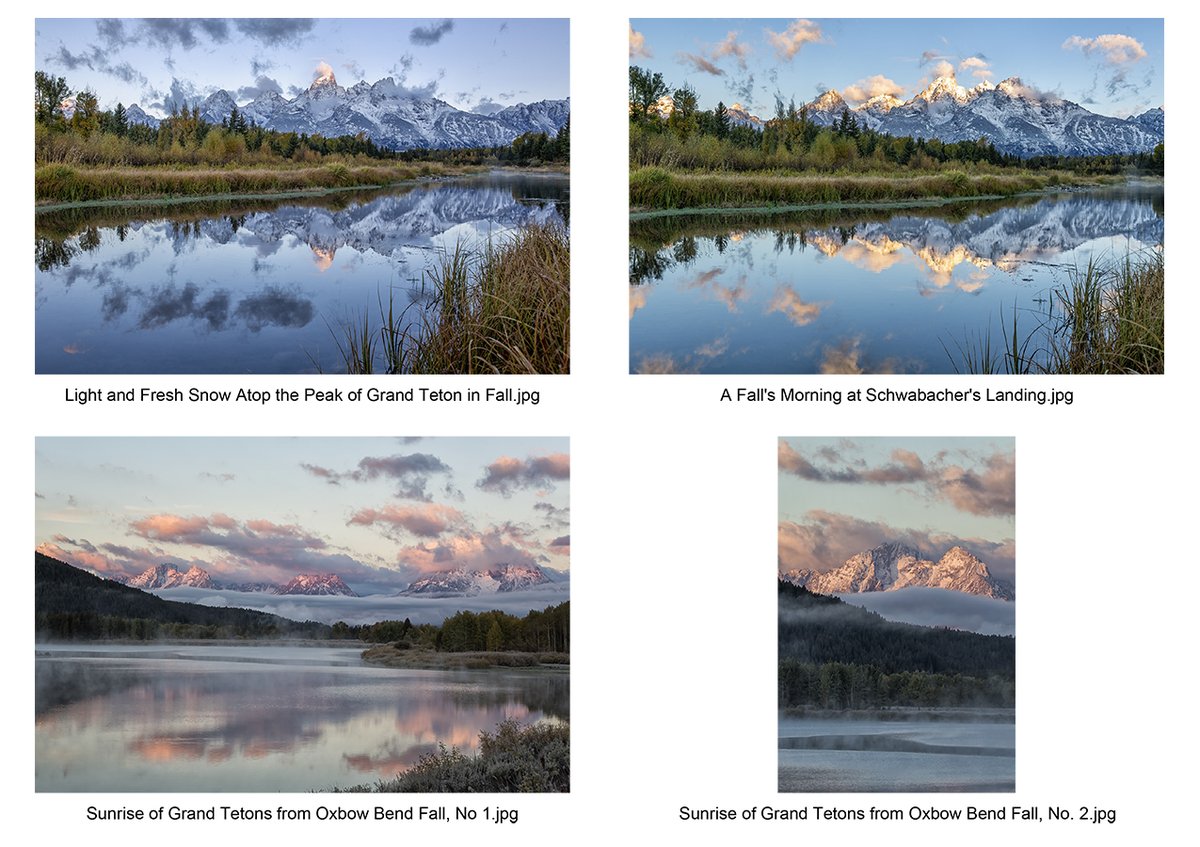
x=375, y=607
x=940, y=607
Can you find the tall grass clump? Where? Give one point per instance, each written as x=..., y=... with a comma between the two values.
x=1108, y=318
x=504, y=308
x=1112, y=318
x=515, y=758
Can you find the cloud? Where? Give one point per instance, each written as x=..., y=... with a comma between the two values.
x=731, y=47
x=699, y=63
x=825, y=540
x=412, y=473
x=787, y=301
x=976, y=66
x=929, y=56
x=556, y=517
x=987, y=489
x=487, y=106
x=798, y=33
x=96, y=59
x=743, y=88
x=182, y=94
x=427, y=521
x=507, y=474
x=263, y=84
x=274, y=307
x=872, y=86
x=471, y=550
x=260, y=548
x=432, y=34
x=168, y=304
x=181, y=32
x=1113, y=49
x=637, y=44
x=990, y=492
x=275, y=31
x=943, y=68
x=940, y=607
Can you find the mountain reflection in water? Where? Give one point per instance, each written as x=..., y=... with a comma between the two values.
x=255, y=286
x=859, y=291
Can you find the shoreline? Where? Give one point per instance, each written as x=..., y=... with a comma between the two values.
x=385, y=655
x=641, y=213
x=47, y=205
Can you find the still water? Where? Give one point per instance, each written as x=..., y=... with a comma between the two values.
x=861, y=291
x=257, y=287
x=259, y=718
x=848, y=754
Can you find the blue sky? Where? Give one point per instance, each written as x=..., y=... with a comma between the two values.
x=377, y=511
x=469, y=63
x=1112, y=67
x=841, y=496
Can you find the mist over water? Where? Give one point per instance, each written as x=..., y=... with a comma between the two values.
x=259, y=718
x=920, y=754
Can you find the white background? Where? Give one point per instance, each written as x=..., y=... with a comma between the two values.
x=673, y=501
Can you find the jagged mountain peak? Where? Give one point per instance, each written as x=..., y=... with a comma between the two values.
x=944, y=88
x=169, y=576
x=882, y=103
x=316, y=584
x=891, y=566
x=829, y=101
x=468, y=582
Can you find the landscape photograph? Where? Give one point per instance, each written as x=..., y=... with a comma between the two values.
x=875, y=196
x=897, y=613
x=298, y=195
x=302, y=614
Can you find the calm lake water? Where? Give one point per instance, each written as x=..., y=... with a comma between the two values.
x=255, y=287
x=259, y=718
x=859, y=291
x=853, y=755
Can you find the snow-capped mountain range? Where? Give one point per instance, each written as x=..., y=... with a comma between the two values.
x=1014, y=117
x=470, y=582
x=316, y=584
x=892, y=566
x=166, y=576
x=388, y=113
x=460, y=582
x=1005, y=238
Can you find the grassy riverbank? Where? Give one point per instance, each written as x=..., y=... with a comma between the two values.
x=660, y=188
x=514, y=759
x=503, y=308
x=417, y=658
x=63, y=183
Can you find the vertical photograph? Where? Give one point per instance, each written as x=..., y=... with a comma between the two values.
x=300, y=195
x=302, y=615
x=897, y=612
x=910, y=196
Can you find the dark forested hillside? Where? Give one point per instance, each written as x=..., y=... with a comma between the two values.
x=72, y=604
x=835, y=655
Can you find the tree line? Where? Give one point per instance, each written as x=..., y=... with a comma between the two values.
x=526, y=150
x=838, y=656
x=548, y=630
